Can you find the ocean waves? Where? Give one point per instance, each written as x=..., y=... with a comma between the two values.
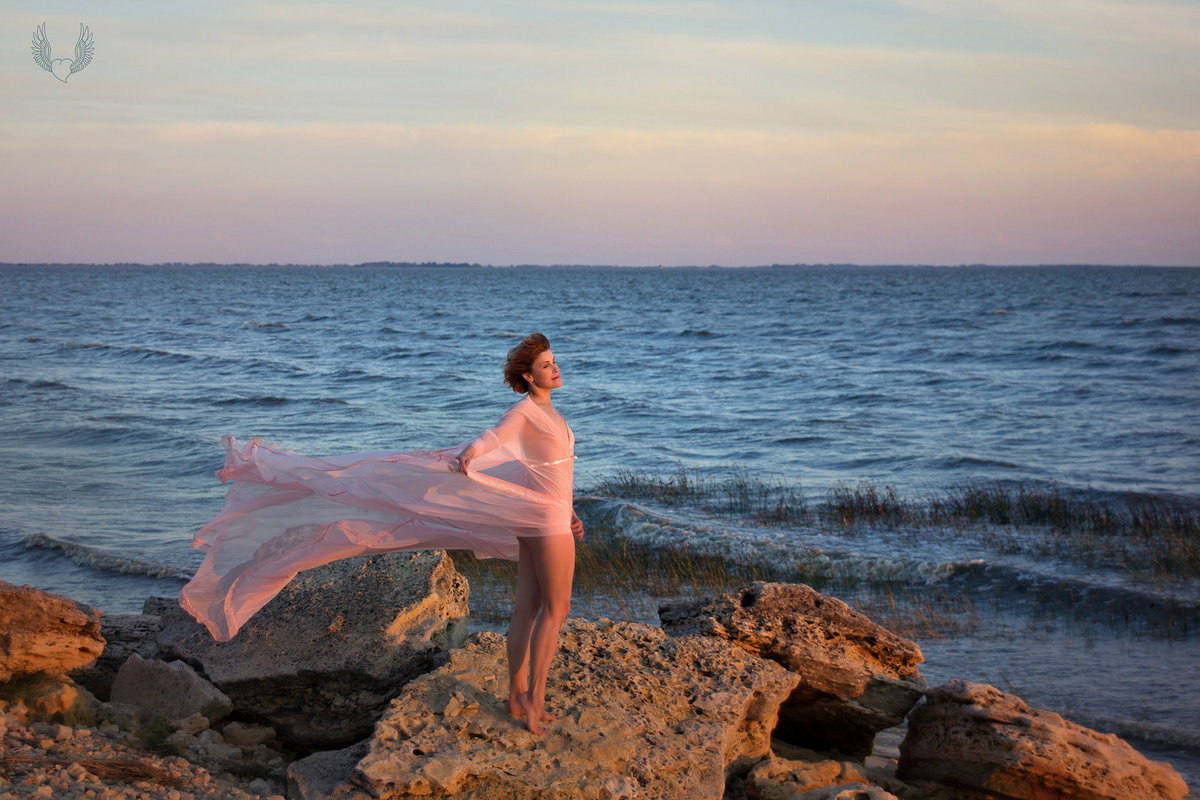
x=100, y=561
x=899, y=557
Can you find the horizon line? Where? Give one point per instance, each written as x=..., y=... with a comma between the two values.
x=477, y=265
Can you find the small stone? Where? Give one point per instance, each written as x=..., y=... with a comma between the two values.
x=209, y=736
x=247, y=736
x=220, y=750
x=193, y=724
x=621, y=788
x=179, y=741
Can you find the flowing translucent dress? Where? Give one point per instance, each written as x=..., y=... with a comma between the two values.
x=287, y=512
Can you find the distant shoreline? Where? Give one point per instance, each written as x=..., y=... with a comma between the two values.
x=475, y=265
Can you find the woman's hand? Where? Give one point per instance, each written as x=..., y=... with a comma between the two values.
x=464, y=458
x=576, y=526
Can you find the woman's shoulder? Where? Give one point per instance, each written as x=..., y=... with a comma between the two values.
x=525, y=407
x=522, y=408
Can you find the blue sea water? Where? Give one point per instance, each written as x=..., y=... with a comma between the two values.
x=116, y=384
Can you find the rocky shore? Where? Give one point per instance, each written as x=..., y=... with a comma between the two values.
x=358, y=681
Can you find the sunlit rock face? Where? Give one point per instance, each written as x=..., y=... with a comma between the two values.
x=321, y=660
x=986, y=742
x=44, y=632
x=856, y=677
x=640, y=715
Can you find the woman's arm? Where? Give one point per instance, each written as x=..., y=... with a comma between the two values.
x=508, y=429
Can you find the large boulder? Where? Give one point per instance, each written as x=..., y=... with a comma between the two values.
x=640, y=715
x=856, y=677
x=320, y=661
x=44, y=632
x=988, y=743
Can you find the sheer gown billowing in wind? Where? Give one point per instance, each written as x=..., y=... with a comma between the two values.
x=287, y=512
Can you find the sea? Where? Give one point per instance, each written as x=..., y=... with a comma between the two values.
x=117, y=382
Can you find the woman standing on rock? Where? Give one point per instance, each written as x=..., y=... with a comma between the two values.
x=547, y=563
x=506, y=494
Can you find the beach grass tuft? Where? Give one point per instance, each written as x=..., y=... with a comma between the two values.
x=865, y=503
x=734, y=493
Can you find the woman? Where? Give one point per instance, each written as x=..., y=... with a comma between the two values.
x=547, y=563
x=505, y=494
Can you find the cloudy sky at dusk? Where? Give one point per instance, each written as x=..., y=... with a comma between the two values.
x=747, y=132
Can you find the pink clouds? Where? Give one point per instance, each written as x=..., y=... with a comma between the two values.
x=321, y=193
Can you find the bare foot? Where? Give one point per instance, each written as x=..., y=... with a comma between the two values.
x=533, y=713
x=518, y=711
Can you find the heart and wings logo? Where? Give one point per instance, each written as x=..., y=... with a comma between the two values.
x=62, y=68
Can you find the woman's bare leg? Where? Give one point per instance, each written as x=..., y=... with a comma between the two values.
x=525, y=611
x=553, y=562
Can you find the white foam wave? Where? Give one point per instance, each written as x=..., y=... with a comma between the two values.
x=100, y=561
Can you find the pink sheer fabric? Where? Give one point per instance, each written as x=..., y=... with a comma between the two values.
x=288, y=512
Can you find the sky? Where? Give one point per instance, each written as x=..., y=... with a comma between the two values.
x=595, y=132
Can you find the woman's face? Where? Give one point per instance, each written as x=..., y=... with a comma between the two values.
x=544, y=372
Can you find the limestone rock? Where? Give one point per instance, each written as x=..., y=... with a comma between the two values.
x=166, y=691
x=320, y=661
x=157, y=606
x=48, y=697
x=979, y=739
x=325, y=775
x=783, y=779
x=44, y=632
x=124, y=634
x=246, y=736
x=640, y=715
x=850, y=791
x=856, y=677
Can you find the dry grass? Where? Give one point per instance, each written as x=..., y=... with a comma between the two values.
x=122, y=769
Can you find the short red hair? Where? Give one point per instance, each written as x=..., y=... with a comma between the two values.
x=520, y=360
